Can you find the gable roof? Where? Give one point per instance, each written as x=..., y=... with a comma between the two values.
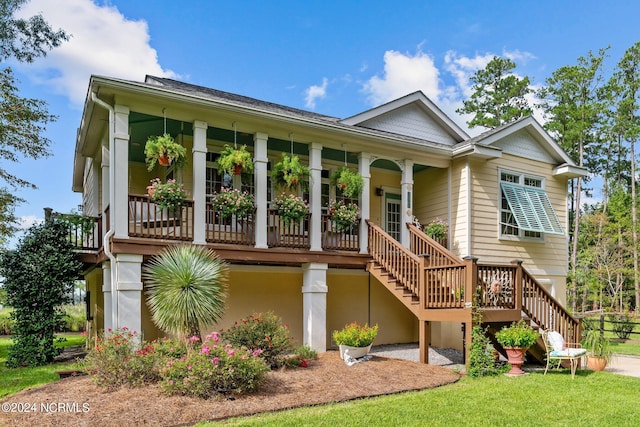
x=419, y=100
x=494, y=141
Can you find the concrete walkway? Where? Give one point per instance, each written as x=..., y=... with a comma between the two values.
x=624, y=365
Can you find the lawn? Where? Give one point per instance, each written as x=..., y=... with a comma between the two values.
x=15, y=380
x=592, y=399
x=630, y=346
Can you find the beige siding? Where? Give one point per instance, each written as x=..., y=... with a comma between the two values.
x=381, y=178
x=431, y=195
x=91, y=186
x=544, y=259
x=459, y=209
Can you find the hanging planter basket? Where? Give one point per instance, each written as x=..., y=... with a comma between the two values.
x=349, y=182
x=234, y=161
x=288, y=174
x=165, y=151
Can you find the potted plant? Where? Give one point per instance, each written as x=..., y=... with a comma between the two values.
x=234, y=161
x=163, y=150
x=168, y=195
x=355, y=340
x=290, y=208
x=516, y=339
x=288, y=174
x=599, y=350
x=437, y=229
x=228, y=202
x=349, y=182
x=343, y=215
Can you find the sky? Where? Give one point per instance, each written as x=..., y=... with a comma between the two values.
x=337, y=58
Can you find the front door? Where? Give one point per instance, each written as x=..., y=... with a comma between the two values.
x=393, y=219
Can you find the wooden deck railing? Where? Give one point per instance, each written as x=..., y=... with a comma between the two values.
x=283, y=234
x=446, y=286
x=421, y=244
x=148, y=221
x=545, y=310
x=235, y=230
x=497, y=286
x=346, y=240
x=406, y=267
x=84, y=232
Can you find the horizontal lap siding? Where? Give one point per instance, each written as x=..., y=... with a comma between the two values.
x=431, y=195
x=459, y=208
x=549, y=255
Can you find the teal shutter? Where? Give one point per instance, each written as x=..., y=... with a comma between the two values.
x=531, y=209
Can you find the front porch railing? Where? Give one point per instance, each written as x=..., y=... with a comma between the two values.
x=84, y=232
x=287, y=234
x=237, y=229
x=345, y=240
x=147, y=220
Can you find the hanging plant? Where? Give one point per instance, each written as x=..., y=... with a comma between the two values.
x=234, y=161
x=165, y=151
x=343, y=215
x=291, y=208
x=349, y=182
x=289, y=174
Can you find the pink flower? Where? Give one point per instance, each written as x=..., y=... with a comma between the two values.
x=216, y=360
x=188, y=367
x=231, y=352
x=194, y=339
x=257, y=352
x=205, y=350
x=170, y=382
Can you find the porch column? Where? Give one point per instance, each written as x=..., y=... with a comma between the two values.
x=199, y=172
x=364, y=163
x=314, y=305
x=120, y=210
x=104, y=181
x=260, y=184
x=407, y=201
x=127, y=299
x=315, y=195
x=106, y=292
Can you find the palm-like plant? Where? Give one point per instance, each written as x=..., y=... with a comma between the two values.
x=186, y=289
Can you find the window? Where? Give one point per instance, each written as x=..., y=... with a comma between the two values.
x=525, y=209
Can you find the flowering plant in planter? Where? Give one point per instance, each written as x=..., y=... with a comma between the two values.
x=170, y=194
x=343, y=215
x=356, y=335
x=437, y=229
x=519, y=334
x=228, y=202
x=291, y=208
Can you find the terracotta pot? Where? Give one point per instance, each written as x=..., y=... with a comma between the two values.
x=164, y=160
x=237, y=169
x=515, y=356
x=596, y=363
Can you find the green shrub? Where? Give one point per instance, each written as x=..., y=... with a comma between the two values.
x=6, y=322
x=622, y=324
x=214, y=370
x=264, y=333
x=519, y=334
x=121, y=359
x=301, y=357
x=75, y=318
x=482, y=362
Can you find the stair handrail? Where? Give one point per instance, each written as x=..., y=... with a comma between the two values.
x=404, y=265
x=555, y=316
x=420, y=243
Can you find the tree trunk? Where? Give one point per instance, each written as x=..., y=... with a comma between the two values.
x=634, y=226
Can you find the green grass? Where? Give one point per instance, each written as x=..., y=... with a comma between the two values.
x=591, y=399
x=630, y=347
x=17, y=379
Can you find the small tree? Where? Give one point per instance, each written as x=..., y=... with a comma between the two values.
x=39, y=278
x=186, y=289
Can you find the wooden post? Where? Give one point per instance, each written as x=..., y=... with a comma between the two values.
x=422, y=281
x=425, y=339
x=518, y=285
x=471, y=279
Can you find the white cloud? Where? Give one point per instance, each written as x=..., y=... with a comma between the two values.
x=25, y=222
x=103, y=42
x=316, y=92
x=403, y=74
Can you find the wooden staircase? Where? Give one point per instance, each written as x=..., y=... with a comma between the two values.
x=436, y=285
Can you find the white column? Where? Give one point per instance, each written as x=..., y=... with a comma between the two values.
x=407, y=201
x=315, y=195
x=106, y=292
x=120, y=211
x=260, y=184
x=199, y=172
x=128, y=292
x=104, y=181
x=314, y=305
x=364, y=162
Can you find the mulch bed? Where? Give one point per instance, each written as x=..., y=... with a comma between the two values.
x=326, y=380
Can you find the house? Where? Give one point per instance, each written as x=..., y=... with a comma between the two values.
x=503, y=194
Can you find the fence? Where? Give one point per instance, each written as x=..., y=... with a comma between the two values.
x=622, y=325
